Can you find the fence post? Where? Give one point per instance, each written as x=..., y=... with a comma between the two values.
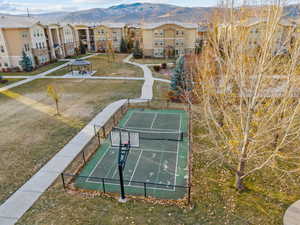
x=63, y=181
x=145, y=190
x=83, y=156
x=189, y=195
x=98, y=137
x=148, y=103
x=103, y=131
x=103, y=185
x=168, y=102
x=128, y=102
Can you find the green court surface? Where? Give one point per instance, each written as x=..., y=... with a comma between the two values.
x=158, y=168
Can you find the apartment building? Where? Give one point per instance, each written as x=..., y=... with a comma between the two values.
x=256, y=29
x=18, y=35
x=108, y=33
x=54, y=41
x=169, y=39
x=133, y=33
x=83, y=36
x=67, y=33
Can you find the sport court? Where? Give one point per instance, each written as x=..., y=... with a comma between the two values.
x=159, y=165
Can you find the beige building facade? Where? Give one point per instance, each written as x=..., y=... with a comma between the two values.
x=18, y=35
x=105, y=34
x=168, y=39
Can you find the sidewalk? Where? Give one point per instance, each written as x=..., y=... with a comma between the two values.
x=22, y=200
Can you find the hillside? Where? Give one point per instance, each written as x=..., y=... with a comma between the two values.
x=131, y=13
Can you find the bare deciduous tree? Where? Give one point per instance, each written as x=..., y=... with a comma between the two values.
x=247, y=85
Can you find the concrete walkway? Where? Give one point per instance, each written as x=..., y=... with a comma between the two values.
x=22, y=200
x=292, y=214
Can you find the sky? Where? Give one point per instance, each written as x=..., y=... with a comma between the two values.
x=44, y=6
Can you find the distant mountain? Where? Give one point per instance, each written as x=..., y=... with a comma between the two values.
x=139, y=12
x=130, y=13
x=292, y=11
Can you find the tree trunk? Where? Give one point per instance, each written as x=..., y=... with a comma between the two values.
x=57, y=109
x=239, y=181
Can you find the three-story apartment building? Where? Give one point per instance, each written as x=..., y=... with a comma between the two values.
x=18, y=35
x=108, y=33
x=169, y=39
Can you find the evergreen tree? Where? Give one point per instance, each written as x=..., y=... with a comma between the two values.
x=178, y=77
x=123, y=47
x=26, y=62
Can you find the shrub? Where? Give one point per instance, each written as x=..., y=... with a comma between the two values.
x=156, y=68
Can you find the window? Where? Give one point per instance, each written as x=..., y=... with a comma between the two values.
x=43, y=45
x=36, y=44
x=6, y=64
x=2, y=48
x=40, y=45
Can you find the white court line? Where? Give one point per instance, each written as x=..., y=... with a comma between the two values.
x=149, y=129
x=153, y=121
x=152, y=150
x=136, y=165
x=177, y=154
x=127, y=185
x=128, y=118
x=97, y=164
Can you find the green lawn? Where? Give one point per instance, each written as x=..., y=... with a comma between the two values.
x=29, y=137
x=10, y=81
x=153, y=60
x=35, y=72
x=103, y=67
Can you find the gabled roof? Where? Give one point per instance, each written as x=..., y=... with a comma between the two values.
x=111, y=25
x=151, y=26
x=255, y=21
x=17, y=22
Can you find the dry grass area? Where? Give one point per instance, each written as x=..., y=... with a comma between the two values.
x=10, y=81
x=29, y=137
x=163, y=73
x=35, y=72
x=104, y=67
x=154, y=60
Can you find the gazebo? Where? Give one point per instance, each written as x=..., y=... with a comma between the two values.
x=80, y=67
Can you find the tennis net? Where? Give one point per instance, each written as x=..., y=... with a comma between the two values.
x=156, y=135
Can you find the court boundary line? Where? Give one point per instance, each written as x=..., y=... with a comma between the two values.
x=134, y=186
x=136, y=165
x=129, y=117
x=99, y=161
x=177, y=156
x=149, y=129
x=153, y=121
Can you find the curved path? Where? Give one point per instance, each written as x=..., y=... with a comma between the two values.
x=22, y=200
x=292, y=214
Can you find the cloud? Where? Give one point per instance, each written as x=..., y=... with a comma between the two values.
x=39, y=7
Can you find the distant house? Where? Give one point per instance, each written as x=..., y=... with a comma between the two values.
x=18, y=35
x=168, y=39
x=106, y=33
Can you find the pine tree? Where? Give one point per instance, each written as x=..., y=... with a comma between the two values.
x=123, y=47
x=178, y=77
x=26, y=62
